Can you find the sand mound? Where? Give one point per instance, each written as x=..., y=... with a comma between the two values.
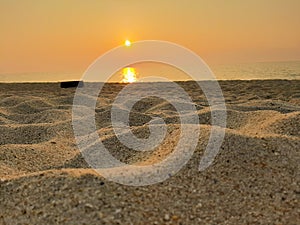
x=25, y=134
x=288, y=124
x=10, y=101
x=24, y=158
x=30, y=107
x=46, y=116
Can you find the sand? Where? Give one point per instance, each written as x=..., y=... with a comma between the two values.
x=255, y=178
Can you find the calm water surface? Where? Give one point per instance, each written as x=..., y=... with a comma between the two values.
x=244, y=71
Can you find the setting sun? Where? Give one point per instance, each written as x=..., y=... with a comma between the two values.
x=127, y=43
x=129, y=75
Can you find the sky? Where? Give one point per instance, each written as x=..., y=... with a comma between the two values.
x=67, y=36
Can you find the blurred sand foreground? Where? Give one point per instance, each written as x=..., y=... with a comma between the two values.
x=255, y=179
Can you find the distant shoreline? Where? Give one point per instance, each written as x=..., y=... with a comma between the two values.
x=177, y=81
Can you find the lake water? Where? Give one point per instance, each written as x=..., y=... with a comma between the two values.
x=244, y=71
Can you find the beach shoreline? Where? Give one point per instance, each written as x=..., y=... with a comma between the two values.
x=254, y=179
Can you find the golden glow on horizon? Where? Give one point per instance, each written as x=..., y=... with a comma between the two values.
x=127, y=43
x=218, y=31
x=129, y=75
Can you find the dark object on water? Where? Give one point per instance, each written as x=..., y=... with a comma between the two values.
x=70, y=84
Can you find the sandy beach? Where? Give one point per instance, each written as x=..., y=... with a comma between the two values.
x=255, y=178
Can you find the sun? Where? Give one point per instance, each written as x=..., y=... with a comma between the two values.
x=127, y=43
x=129, y=75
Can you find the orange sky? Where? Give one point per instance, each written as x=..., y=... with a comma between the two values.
x=66, y=36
